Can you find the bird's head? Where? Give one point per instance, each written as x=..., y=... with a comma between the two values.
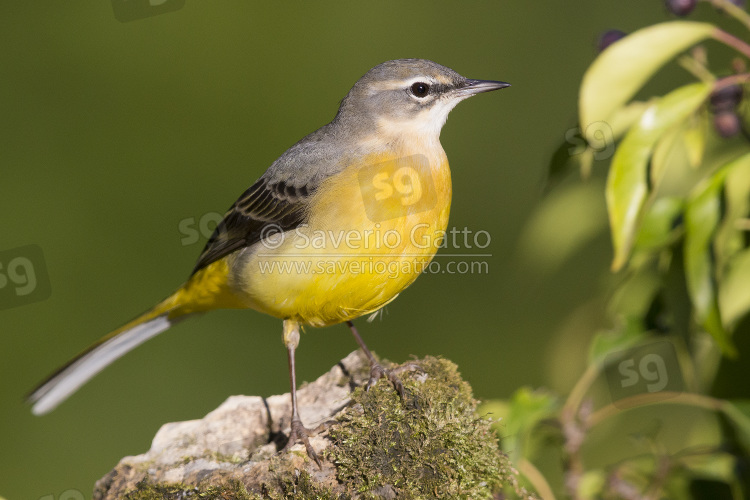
x=409, y=96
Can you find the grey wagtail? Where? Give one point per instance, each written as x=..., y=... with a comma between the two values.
x=335, y=229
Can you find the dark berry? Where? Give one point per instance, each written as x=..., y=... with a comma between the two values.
x=727, y=123
x=726, y=98
x=680, y=7
x=609, y=37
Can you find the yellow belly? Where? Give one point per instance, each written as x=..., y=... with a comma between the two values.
x=371, y=231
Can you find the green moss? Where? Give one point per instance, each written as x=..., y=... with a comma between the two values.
x=288, y=483
x=291, y=483
x=295, y=484
x=305, y=489
x=223, y=457
x=146, y=490
x=431, y=445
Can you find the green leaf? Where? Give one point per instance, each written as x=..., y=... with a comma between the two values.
x=601, y=136
x=695, y=140
x=657, y=228
x=586, y=163
x=679, y=153
x=621, y=70
x=664, y=155
x=738, y=411
x=605, y=343
x=591, y=484
x=625, y=117
x=520, y=415
x=627, y=183
x=632, y=300
x=730, y=237
x=734, y=292
x=576, y=152
x=702, y=215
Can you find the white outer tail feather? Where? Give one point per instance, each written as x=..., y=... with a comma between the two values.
x=57, y=389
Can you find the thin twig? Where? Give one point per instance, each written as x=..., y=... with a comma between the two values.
x=728, y=81
x=580, y=389
x=536, y=478
x=695, y=68
x=680, y=398
x=733, y=10
x=732, y=41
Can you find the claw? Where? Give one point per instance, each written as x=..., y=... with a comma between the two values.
x=377, y=372
x=298, y=433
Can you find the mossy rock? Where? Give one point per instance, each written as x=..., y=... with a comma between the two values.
x=232, y=490
x=430, y=444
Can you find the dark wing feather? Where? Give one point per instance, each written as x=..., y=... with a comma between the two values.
x=264, y=204
x=281, y=197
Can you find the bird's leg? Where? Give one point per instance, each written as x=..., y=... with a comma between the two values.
x=376, y=369
x=298, y=432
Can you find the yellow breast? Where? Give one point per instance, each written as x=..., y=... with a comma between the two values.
x=372, y=229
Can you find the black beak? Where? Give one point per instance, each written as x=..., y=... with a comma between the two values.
x=478, y=86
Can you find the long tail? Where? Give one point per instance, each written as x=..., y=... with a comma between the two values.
x=83, y=367
x=207, y=289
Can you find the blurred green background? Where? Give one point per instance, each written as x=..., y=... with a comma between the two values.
x=117, y=135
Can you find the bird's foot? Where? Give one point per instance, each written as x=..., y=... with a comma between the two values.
x=298, y=433
x=377, y=372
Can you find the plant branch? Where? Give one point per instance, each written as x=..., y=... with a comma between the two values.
x=694, y=67
x=732, y=41
x=733, y=10
x=728, y=81
x=679, y=398
x=580, y=389
x=536, y=478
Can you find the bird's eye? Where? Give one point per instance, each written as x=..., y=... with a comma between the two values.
x=420, y=89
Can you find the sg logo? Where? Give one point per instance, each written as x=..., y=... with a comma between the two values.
x=647, y=369
x=23, y=277
x=65, y=495
x=396, y=188
x=192, y=230
x=406, y=183
x=132, y=10
x=601, y=139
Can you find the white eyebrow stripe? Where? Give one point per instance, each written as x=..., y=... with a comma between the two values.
x=403, y=84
